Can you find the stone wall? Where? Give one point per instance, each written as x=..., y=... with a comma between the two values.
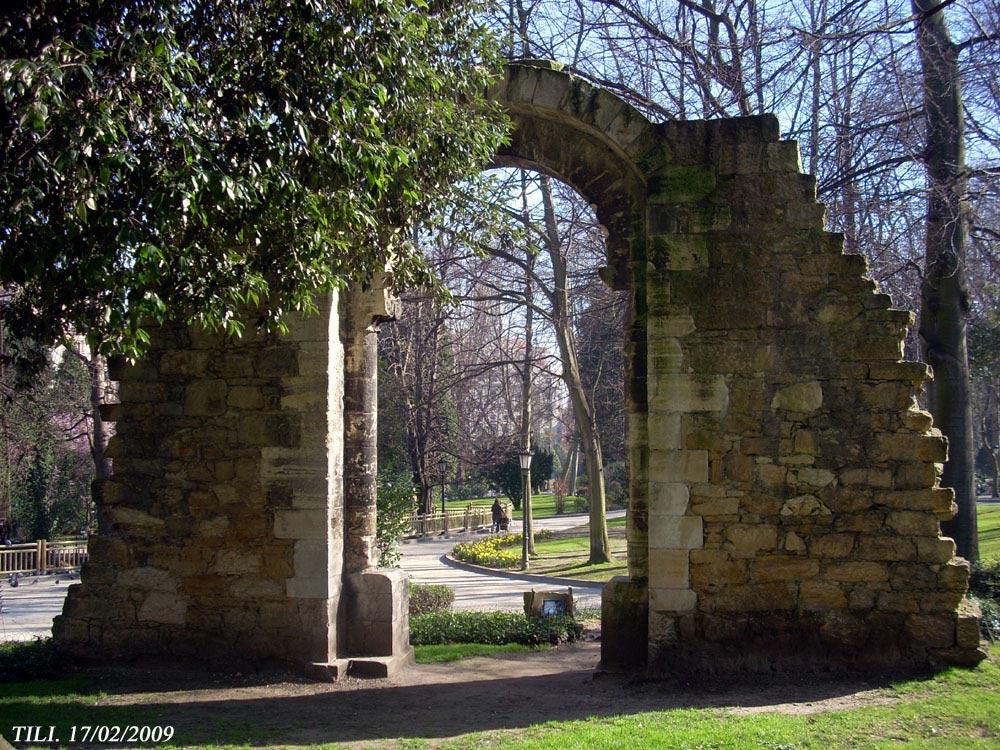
x=223, y=524
x=794, y=508
x=784, y=506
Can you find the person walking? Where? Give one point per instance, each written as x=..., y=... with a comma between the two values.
x=497, y=513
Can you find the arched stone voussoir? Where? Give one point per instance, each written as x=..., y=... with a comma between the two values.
x=543, y=89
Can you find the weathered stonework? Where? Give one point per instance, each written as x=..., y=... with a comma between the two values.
x=224, y=522
x=784, y=508
x=784, y=504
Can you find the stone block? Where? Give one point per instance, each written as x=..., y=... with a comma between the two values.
x=675, y=532
x=799, y=397
x=714, y=568
x=624, y=624
x=886, y=547
x=205, y=398
x=814, y=477
x=668, y=498
x=245, y=397
x=931, y=631
x=912, y=523
x=715, y=506
x=820, y=596
x=163, y=608
x=939, y=550
x=669, y=568
x=672, y=600
x=859, y=572
x=804, y=506
x=831, y=545
x=148, y=579
x=678, y=466
x=783, y=568
x=183, y=362
x=905, y=447
x=681, y=392
x=746, y=540
x=301, y=524
x=935, y=499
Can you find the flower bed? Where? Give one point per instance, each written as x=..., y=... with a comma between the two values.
x=495, y=551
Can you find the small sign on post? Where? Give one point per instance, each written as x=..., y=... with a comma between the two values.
x=549, y=603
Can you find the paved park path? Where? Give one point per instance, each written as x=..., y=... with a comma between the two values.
x=473, y=590
x=27, y=610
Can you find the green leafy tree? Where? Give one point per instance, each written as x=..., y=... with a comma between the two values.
x=194, y=158
x=505, y=476
x=395, y=503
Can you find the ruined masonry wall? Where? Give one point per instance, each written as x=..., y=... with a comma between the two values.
x=794, y=508
x=222, y=528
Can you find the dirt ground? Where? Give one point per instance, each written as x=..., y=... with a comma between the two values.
x=441, y=701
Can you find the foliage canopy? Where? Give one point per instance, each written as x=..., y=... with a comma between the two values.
x=195, y=158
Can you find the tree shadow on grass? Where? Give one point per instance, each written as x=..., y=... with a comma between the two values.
x=474, y=697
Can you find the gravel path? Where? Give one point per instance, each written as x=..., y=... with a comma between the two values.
x=422, y=560
x=28, y=609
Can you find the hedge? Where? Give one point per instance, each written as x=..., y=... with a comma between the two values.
x=491, y=627
x=426, y=598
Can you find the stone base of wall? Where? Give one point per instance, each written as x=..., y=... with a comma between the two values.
x=817, y=641
x=378, y=619
x=624, y=619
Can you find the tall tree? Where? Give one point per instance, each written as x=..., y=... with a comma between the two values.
x=194, y=157
x=944, y=292
x=583, y=408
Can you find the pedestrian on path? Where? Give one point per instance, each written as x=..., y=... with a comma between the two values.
x=497, y=513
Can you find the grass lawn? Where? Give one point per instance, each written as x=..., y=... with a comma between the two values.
x=567, y=558
x=542, y=505
x=454, y=651
x=955, y=709
x=989, y=532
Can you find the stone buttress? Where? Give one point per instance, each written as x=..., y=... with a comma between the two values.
x=233, y=529
x=784, y=503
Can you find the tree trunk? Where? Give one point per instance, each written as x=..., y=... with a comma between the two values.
x=583, y=411
x=996, y=474
x=99, y=433
x=529, y=330
x=944, y=295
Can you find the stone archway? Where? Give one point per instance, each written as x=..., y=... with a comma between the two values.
x=784, y=509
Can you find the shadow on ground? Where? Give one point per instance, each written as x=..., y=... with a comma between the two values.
x=430, y=702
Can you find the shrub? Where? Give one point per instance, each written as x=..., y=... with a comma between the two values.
x=491, y=627
x=581, y=503
x=984, y=580
x=495, y=551
x=395, y=504
x=984, y=585
x=32, y=660
x=559, y=491
x=426, y=598
x=989, y=625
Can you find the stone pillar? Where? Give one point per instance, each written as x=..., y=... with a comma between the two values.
x=376, y=640
x=222, y=531
x=359, y=334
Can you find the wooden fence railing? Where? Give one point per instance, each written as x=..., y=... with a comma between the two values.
x=472, y=517
x=43, y=556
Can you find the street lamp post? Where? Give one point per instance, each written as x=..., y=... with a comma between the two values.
x=525, y=459
x=443, y=468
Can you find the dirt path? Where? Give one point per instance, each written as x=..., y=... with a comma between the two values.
x=441, y=701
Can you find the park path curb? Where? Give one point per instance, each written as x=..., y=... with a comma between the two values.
x=528, y=577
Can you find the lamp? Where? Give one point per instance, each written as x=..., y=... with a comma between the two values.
x=442, y=469
x=524, y=458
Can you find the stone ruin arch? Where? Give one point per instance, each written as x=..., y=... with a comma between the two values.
x=784, y=504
